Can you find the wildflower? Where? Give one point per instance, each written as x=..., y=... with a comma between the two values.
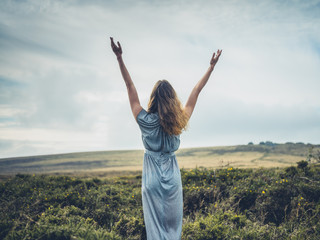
x=132, y=196
x=235, y=187
x=263, y=192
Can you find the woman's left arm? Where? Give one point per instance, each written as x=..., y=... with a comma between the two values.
x=191, y=103
x=132, y=92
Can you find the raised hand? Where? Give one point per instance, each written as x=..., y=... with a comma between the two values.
x=116, y=49
x=215, y=58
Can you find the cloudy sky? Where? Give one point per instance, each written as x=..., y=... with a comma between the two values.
x=61, y=89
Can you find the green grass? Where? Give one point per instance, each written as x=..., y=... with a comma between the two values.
x=227, y=203
x=105, y=163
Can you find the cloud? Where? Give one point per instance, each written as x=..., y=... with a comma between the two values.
x=61, y=89
x=236, y=122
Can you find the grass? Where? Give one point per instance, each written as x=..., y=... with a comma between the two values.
x=107, y=162
x=225, y=203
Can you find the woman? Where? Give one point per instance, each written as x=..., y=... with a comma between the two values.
x=161, y=127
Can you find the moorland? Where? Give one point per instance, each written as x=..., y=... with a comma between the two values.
x=230, y=200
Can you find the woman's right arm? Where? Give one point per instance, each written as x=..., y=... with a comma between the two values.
x=132, y=92
x=192, y=100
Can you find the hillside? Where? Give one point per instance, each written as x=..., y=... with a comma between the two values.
x=106, y=162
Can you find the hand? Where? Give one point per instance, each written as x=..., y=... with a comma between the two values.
x=116, y=49
x=215, y=58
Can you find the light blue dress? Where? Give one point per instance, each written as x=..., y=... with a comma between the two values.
x=161, y=180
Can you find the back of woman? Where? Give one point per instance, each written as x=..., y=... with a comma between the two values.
x=161, y=181
x=161, y=127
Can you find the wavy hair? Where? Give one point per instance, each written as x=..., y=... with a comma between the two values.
x=166, y=103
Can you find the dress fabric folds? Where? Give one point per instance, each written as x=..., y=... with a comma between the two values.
x=161, y=180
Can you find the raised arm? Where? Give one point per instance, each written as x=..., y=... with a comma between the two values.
x=132, y=92
x=192, y=100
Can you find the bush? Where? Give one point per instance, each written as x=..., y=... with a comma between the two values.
x=302, y=164
x=291, y=172
x=218, y=204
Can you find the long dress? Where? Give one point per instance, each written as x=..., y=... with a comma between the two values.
x=161, y=180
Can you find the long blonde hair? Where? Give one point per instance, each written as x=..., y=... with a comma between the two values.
x=166, y=103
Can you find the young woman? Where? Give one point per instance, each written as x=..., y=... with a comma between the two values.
x=161, y=126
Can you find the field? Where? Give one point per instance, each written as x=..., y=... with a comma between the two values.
x=110, y=163
x=229, y=203
x=239, y=192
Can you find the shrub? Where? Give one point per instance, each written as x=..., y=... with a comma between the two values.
x=218, y=204
x=291, y=172
x=302, y=164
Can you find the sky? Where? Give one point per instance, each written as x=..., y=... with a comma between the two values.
x=61, y=89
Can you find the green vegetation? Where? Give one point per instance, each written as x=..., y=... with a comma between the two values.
x=229, y=203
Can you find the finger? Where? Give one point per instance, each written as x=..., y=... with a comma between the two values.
x=212, y=59
x=218, y=54
x=119, y=45
x=112, y=42
x=114, y=46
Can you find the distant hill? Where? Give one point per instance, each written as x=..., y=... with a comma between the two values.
x=266, y=154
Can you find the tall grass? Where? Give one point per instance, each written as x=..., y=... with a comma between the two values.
x=218, y=204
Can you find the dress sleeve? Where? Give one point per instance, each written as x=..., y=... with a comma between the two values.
x=147, y=121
